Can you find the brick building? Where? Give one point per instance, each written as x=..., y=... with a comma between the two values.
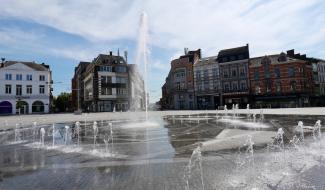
x=178, y=90
x=280, y=80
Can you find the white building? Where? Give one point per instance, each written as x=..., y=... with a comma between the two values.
x=25, y=87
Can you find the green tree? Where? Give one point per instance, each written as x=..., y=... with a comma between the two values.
x=62, y=102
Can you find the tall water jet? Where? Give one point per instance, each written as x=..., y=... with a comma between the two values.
x=195, y=162
x=300, y=129
x=53, y=135
x=66, y=136
x=42, y=133
x=95, y=128
x=317, y=134
x=248, y=111
x=142, y=53
x=17, y=133
x=77, y=131
x=35, y=130
x=111, y=135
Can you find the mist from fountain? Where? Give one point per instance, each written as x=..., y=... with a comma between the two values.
x=42, y=135
x=95, y=129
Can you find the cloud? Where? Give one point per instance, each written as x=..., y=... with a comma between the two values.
x=210, y=25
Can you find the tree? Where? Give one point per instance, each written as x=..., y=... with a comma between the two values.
x=62, y=102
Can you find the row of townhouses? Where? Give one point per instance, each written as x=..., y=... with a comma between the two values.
x=108, y=83
x=233, y=77
x=25, y=87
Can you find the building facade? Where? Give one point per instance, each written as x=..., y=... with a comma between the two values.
x=207, y=83
x=233, y=64
x=107, y=84
x=25, y=87
x=280, y=81
x=178, y=91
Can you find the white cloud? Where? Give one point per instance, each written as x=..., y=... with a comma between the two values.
x=210, y=25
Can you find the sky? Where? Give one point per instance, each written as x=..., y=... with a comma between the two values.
x=62, y=33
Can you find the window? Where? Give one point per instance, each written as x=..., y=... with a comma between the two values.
x=226, y=87
x=29, y=77
x=19, y=77
x=120, y=69
x=121, y=80
x=29, y=89
x=42, y=78
x=8, y=89
x=268, y=85
x=242, y=72
x=178, y=85
x=105, y=68
x=291, y=72
x=293, y=86
x=256, y=74
x=234, y=72
x=278, y=86
x=215, y=85
x=234, y=86
x=206, y=74
x=206, y=85
x=225, y=73
x=106, y=79
x=8, y=77
x=243, y=85
x=277, y=72
x=106, y=91
x=198, y=74
x=18, y=90
x=121, y=91
x=215, y=72
x=41, y=89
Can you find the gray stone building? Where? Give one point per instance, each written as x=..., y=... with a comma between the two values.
x=233, y=64
x=207, y=83
x=104, y=85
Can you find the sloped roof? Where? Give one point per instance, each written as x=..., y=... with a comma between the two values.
x=33, y=65
x=232, y=51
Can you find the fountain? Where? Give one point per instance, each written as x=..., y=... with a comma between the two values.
x=95, y=129
x=195, y=163
x=53, y=135
x=111, y=136
x=317, y=134
x=67, y=135
x=77, y=131
x=300, y=129
x=42, y=133
x=249, y=115
x=142, y=53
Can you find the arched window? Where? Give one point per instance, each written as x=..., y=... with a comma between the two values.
x=5, y=108
x=38, y=107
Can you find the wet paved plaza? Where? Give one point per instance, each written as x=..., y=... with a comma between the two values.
x=163, y=153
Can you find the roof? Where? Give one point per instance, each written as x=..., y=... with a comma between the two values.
x=232, y=51
x=33, y=65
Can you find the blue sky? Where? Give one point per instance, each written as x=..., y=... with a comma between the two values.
x=63, y=32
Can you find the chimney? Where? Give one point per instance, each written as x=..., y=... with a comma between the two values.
x=291, y=52
x=185, y=51
x=110, y=53
x=118, y=52
x=2, y=62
